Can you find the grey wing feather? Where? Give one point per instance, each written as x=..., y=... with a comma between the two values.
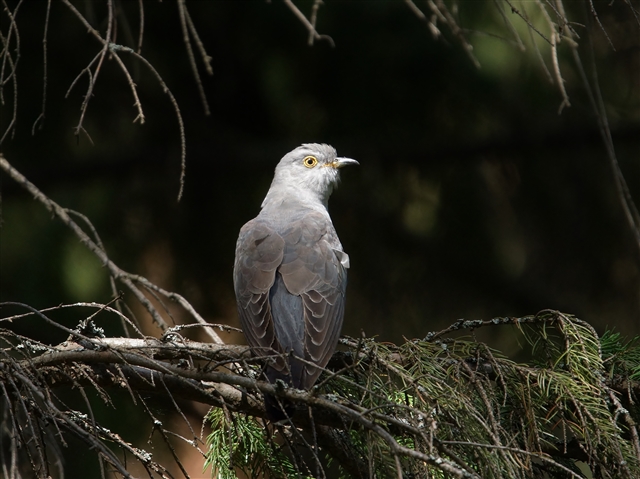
x=312, y=269
x=290, y=288
x=288, y=313
x=258, y=254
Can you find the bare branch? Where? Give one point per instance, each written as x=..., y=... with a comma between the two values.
x=597, y=104
x=206, y=59
x=63, y=215
x=182, y=9
x=13, y=63
x=165, y=88
x=40, y=119
x=141, y=27
x=179, y=369
x=555, y=39
x=441, y=11
x=94, y=76
x=313, y=34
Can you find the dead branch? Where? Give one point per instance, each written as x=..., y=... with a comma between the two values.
x=118, y=274
x=310, y=25
x=183, y=370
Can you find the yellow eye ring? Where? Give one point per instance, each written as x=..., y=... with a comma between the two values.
x=310, y=161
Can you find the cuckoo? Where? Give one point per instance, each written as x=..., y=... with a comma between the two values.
x=290, y=272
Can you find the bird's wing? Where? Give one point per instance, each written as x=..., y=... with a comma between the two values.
x=259, y=252
x=290, y=288
x=314, y=269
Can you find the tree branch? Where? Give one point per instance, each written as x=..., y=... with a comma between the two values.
x=126, y=278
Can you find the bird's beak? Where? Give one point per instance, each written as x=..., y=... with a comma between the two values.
x=340, y=162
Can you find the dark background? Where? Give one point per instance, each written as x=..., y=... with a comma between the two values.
x=475, y=198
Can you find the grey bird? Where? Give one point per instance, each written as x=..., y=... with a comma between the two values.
x=290, y=272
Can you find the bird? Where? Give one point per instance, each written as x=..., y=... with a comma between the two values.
x=290, y=272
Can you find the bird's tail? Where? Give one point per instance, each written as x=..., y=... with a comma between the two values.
x=277, y=408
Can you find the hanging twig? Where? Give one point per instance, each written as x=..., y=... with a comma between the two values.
x=182, y=10
x=40, y=119
x=313, y=34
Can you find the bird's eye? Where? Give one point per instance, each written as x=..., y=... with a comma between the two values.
x=310, y=161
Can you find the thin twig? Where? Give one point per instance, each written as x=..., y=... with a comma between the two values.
x=439, y=8
x=206, y=59
x=509, y=25
x=40, y=119
x=554, y=40
x=534, y=43
x=597, y=104
x=539, y=456
x=165, y=88
x=308, y=25
x=117, y=48
x=435, y=32
x=93, y=78
x=529, y=24
x=141, y=27
x=597, y=17
x=7, y=58
x=112, y=282
x=13, y=30
x=180, y=300
x=313, y=20
x=182, y=7
x=61, y=213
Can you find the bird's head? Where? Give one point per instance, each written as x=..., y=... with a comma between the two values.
x=311, y=170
